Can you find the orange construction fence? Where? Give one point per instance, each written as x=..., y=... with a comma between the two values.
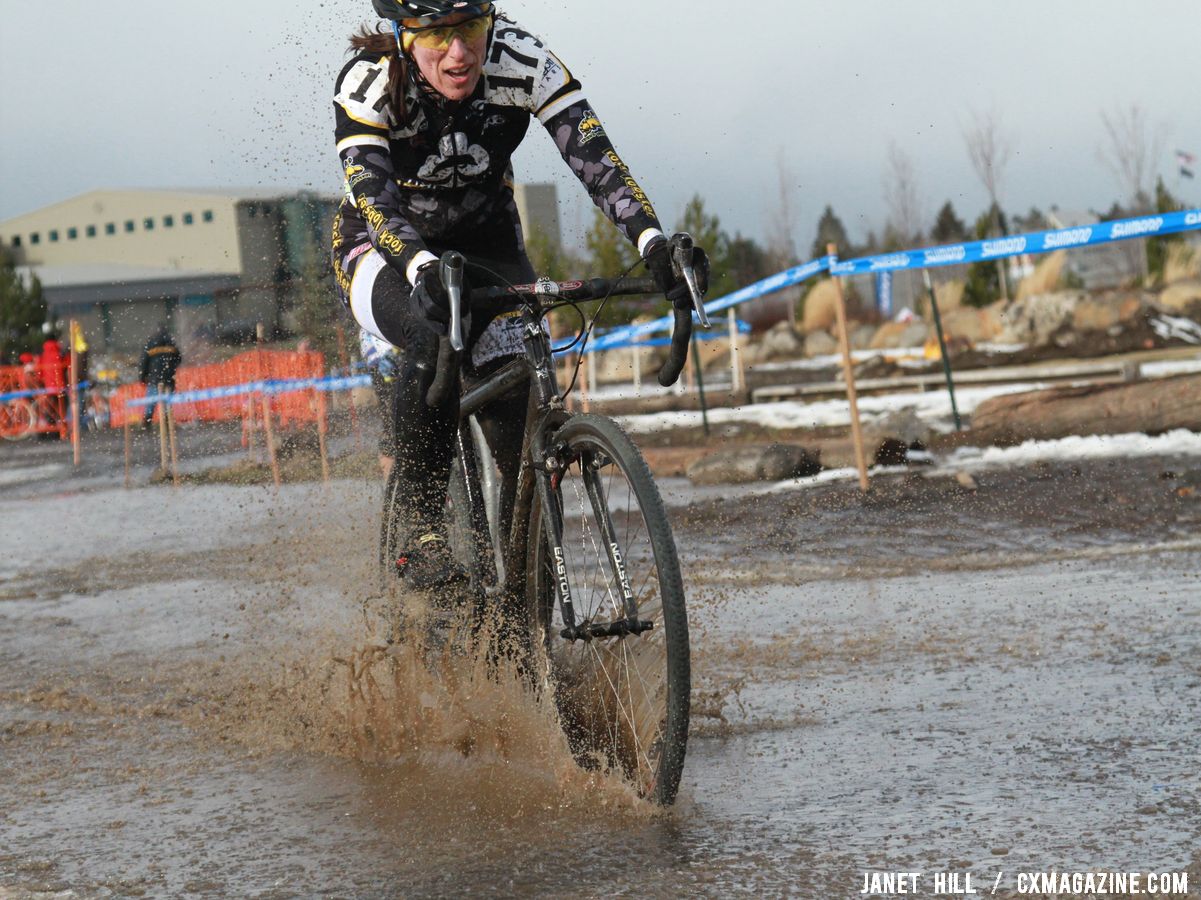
x=297, y=407
x=49, y=410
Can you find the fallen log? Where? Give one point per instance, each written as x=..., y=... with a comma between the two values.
x=1152, y=407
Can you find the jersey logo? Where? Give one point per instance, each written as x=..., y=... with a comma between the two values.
x=456, y=156
x=590, y=127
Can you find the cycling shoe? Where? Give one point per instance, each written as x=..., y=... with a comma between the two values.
x=429, y=566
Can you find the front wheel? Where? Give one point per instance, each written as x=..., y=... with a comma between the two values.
x=623, y=700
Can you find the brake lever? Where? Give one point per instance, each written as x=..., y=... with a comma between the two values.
x=681, y=251
x=451, y=270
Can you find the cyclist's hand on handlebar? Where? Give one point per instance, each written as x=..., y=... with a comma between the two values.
x=670, y=281
x=432, y=302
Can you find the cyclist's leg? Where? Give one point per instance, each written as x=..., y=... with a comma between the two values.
x=495, y=341
x=421, y=437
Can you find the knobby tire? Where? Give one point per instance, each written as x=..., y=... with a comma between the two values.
x=623, y=701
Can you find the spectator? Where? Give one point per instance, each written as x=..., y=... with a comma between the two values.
x=53, y=363
x=160, y=359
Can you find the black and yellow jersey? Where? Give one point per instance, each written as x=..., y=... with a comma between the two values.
x=444, y=177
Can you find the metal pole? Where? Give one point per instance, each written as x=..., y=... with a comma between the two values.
x=942, y=349
x=700, y=383
x=848, y=368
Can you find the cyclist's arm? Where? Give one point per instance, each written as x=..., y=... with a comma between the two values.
x=362, y=125
x=562, y=109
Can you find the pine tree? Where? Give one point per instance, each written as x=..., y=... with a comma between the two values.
x=550, y=260
x=948, y=227
x=1157, y=247
x=983, y=278
x=830, y=230
x=707, y=233
x=609, y=253
x=317, y=308
x=22, y=311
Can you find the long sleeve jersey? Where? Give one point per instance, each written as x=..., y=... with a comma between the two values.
x=444, y=174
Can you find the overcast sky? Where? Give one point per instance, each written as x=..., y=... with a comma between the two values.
x=697, y=99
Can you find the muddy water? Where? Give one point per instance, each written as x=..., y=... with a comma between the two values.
x=191, y=701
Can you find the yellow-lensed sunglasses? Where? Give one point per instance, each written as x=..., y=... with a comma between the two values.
x=440, y=37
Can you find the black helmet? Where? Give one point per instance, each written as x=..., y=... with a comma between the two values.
x=421, y=9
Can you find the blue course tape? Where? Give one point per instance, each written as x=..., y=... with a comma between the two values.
x=254, y=387
x=930, y=257
x=1018, y=244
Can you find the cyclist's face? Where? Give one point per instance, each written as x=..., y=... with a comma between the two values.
x=453, y=71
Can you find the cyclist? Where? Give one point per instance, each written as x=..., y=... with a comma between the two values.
x=428, y=114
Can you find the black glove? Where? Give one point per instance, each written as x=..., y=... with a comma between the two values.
x=431, y=302
x=670, y=282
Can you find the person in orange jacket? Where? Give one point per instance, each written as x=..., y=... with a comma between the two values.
x=53, y=364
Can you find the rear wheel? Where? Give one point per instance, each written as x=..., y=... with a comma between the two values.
x=623, y=701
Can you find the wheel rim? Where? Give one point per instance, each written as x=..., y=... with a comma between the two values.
x=612, y=693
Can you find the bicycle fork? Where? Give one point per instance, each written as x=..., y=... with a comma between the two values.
x=555, y=464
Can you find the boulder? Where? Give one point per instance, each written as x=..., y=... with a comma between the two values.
x=861, y=337
x=892, y=335
x=1100, y=313
x=819, y=343
x=975, y=326
x=782, y=341
x=1034, y=320
x=1179, y=297
x=905, y=425
x=820, y=307
x=743, y=465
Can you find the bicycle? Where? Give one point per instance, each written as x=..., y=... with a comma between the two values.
x=585, y=574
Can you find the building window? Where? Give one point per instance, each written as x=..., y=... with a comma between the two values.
x=266, y=209
x=188, y=219
x=129, y=226
x=110, y=228
x=252, y=210
x=72, y=234
x=91, y=231
x=54, y=236
x=207, y=215
x=148, y=223
x=168, y=221
x=16, y=240
x=35, y=238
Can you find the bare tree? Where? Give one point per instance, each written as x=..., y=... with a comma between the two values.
x=904, y=226
x=781, y=230
x=900, y=193
x=1131, y=148
x=990, y=148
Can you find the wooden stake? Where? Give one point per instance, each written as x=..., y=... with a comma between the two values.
x=174, y=451
x=735, y=355
x=321, y=429
x=74, y=379
x=128, y=449
x=344, y=362
x=848, y=369
x=268, y=430
x=162, y=431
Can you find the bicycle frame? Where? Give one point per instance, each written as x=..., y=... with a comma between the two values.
x=542, y=464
